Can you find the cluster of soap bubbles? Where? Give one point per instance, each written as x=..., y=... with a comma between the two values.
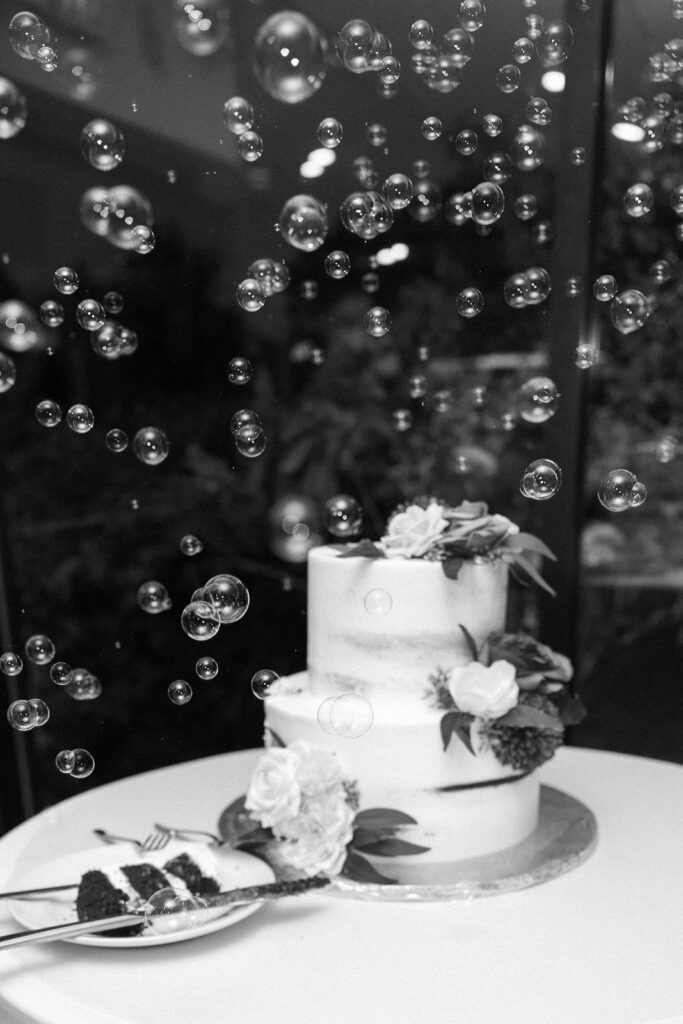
x=621, y=490
x=120, y=214
x=541, y=480
x=439, y=65
x=361, y=48
x=248, y=434
x=265, y=683
x=538, y=399
x=303, y=222
x=349, y=715
x=102, y=144
x=82, y=684
x=79, y=763
x=239, y=118
x=343, y=516
x=289, y=56
x=201, y=28
x=265, y=277
x=173, y=910
x=530, y=287
x=222, y=600
x=13, y=109
x=24, y=715
x=31, y=39
x=369, y=214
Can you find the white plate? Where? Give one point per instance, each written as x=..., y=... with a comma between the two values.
x=230, y=868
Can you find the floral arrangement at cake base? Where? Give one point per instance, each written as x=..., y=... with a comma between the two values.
x=514, y=696
x=300, y=813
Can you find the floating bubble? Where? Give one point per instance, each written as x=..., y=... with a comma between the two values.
x=585, y=356
x=200, y=620
x=676, y=200
x=538, y=399
x=366, y=214
x=308, y=290
x=238, y=115
x=27, y=34
x=443, y=400
x=403, y=419
x=10, y=663
x=227, y=596
x=337, y=265
x=417, y=386
x=457, y=46
x=538, y=111
x=206, y=668
x=8, y=372
x=330, y=133
x=172, y=910
x=239, y=370
x=303, y=222
x=469, y=302
x=151, y=445
x=497, y=167
x=250, y=440
x=458, y=208
x=51, y=313
x=538, y=280
x=661, y=272
x=432, y=128
x=488, y=203
x=508, y=78
x=554, y=44
x=377, y=321
x=516, y=291
x=629, y=310
x=244, y=418
x=428, y=201
x=20, y=715
x=492, y=125
x=265, y=683
x=421, y=168
x=526, y=207
x=191, y=545
x=13, y=109
x=620, y=490
x=349, y=715
x=47, y=58
x=666, y=448
x=65, y=280
x=65, y=761
x=102, y=144
x=638, y=200
x=83, y=685
x=90, y=314
x=542, y=233
x=83, y=763
x=466, y=142
x=60, y=673
x=116, y=440
x=605, y=288
x=376, y=134
x=128, y=209
x=527, y=149
x=39, y=649
x=250, y=146
x=370, y=282
x=153, y=597
x=80, y=418
x=534, y=24
x=289, y=57
x=378, y=602
x=472, y=14
x=541, y=480
x=522, y=50
x=128, y=341
x=389, y=74
x=250, y=295
x=201, y=28
x=577, y=156
x=48, y=413
x=343, y=516
x=143, y=239
x=421, y=34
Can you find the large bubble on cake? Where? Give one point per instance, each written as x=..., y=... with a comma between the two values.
x=171, y=910
x=349, y=715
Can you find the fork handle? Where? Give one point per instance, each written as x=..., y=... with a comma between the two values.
x=107, y=837
x=67, y=931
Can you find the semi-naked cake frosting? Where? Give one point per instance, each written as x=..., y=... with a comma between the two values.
x=390, y=639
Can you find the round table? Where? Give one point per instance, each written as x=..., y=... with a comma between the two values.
x=601, y=944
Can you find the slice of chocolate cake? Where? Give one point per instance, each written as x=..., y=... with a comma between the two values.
x=197, y=882
x=99, y=897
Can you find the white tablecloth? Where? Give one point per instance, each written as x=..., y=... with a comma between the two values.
x=602, y=944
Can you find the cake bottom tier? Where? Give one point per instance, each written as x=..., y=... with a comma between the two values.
x=465, y=805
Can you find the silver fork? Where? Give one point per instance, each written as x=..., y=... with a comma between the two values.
x=154, y=841
x=182, y=833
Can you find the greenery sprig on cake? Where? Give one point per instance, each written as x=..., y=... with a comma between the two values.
x=430, y=529
x=517, y=691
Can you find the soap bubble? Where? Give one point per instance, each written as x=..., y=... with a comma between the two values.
x=522, y=50
x=629, y=311
x=10, y=663
x=128, y=210
x=537, y=399
x=620, y=490
x=106, y=342
x=554, y=44
x=20, y=715
x=666, y=448
x=466, y=142
x=116, y=440
x=492, y=125
x=250, y=441
x=143, y=239
x=151, y=445
x=200, y=620
x=432, y=128
x=638, y=200
x=542, y=233
x=39, y=649
x=417, y=386
x=676, y=200
x=261, y=272
x=102, y=144
x=65, y=280
x=508, y=78
x=377, y=321
x=458, y=208
x=95, y=210
x=330, y=133
x=8, y=372
x=541, y=480
x=337, y=265
x=472, y=14
x=370, y=282
x=27, y=34
x=47, y=58
x=661, y=272
x=250, y=295
x=526, y=207
x=201, y=28
x=172, y=910
x=227, y=596
x=497, y=167
x=605, y=288
x=303, y=222
x=366, y=214
x=577, y=156
x=584, y=356
x=238, y=115
x=343, y=516
x=83, y=685
x=428, y=200
x=65, y=761
x=153, y=597
x=403, y=419
x=250, y=146
x=516, y=291
x=51, y=313
x=60, y=673
x=389, y=74
x=191, y=545
x=239, y=370
x=458, y=46
x=40, y=712
x=80, y=418
x=83, y=763
x=48, y=413
x=469, y=302
x=90, y=314
x=378, y=602
x=265, y=683
x=376, y=134
x=488, y=203
x=538, y=280
x=538, y=111
x=421, y=34
x=349, y=715
x=13, y=109
x=206, y=668
x=289, y=57
x=308, y=290
x=527, y=149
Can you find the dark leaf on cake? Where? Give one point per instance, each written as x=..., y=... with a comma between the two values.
x=457, y=722
x=452, y=567
x=364, y=549
x=530, y=569
x=237, y=827
x=363, y=837
x=571, y=709
x=275, y=740
x=525, y=717
x=359, y=869
x=470, y=642
x=527, y=542
x=383, y=817
x=392, y=847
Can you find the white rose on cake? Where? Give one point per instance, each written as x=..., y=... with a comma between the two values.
x=486, y=691
x=320, y=834
x=274, y=794
x=412, y=532
x=316, y=770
